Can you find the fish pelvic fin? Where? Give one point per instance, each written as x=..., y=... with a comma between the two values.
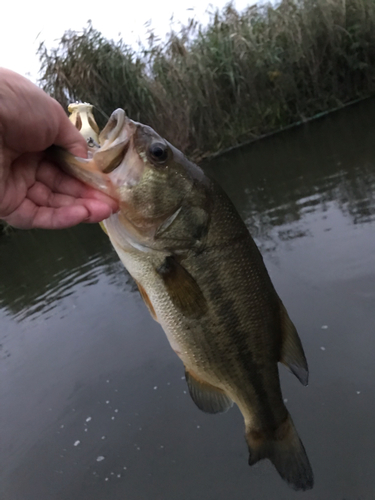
x=292, y=354
x=286, y=451
x=207, y=397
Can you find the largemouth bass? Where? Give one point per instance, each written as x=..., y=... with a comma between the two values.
x=203, y=279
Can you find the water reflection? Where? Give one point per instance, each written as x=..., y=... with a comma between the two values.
x=37, y=273
x=325, y=164
x=308, y=198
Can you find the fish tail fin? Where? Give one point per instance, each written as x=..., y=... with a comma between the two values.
x=286, y=452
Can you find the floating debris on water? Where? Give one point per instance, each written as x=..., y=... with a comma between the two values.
x=358, y=392
x=155, y=387
x=106, y=479
x=88, y=419
x=107, y=402
x=124, y=468
x=86, y=429
x=112, y=418
x=107, y=381
x=324, y=327
x=198, y=426
x=118, y=475
x=285, y=400
x=322, y=348
x=182, y=378
x=100, y=458
x=116, y=411
x=103, y=437
x=62, y=426
x=76, y=443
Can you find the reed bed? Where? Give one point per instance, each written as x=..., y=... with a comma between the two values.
x=243, y=75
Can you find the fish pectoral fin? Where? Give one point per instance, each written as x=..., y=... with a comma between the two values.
x=292, y=354
x=182, y=288
x=207, y=397
x=147, y=300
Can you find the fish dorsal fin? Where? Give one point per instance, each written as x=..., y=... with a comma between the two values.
x=292, y=354
x=147, y=301
x=182, y=288
x=207, y=397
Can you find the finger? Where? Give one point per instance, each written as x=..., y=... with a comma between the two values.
x=28, y=215
x=71, y=215
x=42, y=196
x=59, y=182
x=68, y=136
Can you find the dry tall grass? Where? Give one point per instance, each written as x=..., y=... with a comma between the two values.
x=241, y=76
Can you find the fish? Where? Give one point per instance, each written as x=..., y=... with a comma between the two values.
x=202, y=277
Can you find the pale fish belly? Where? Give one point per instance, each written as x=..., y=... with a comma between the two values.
x=143, y=272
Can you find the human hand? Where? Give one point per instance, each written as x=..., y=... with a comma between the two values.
x=33, y=191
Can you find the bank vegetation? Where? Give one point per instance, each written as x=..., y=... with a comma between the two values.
x=243, y=75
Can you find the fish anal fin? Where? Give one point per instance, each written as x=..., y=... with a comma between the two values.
x=292, y=354
x=182, y=288
x=285, y=450
x=207, y=397
x=147, y=300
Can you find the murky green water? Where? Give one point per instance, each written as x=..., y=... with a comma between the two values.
x=86, y=373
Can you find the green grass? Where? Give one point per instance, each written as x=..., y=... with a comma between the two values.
x=243, y=75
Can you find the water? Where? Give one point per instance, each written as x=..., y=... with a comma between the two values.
x=93, y=401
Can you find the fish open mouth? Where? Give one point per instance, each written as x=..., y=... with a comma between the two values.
x=99, y=170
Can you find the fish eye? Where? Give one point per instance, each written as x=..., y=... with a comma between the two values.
x=158, y=152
